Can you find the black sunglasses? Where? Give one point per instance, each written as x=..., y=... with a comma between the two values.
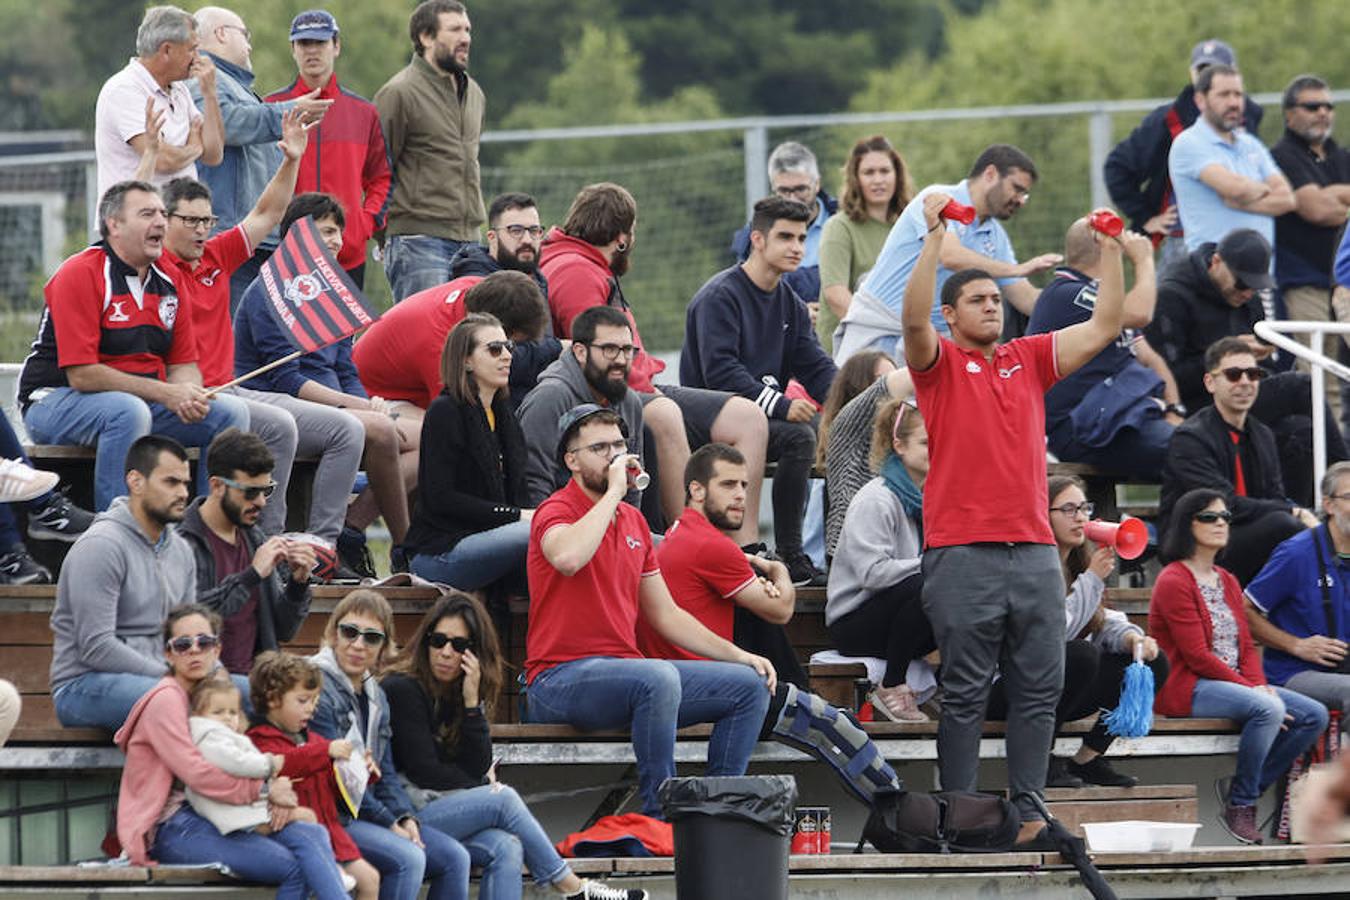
x=436, y=641
x=185, y=643
x=1315, y=106
x=251, y=491
x=497, y=348
x=372, y=637
x=1210, y=516
x=1233, y=373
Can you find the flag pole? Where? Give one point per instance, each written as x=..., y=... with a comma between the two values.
x=211, y=392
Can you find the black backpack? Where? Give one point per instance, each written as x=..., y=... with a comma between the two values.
x=941, y=822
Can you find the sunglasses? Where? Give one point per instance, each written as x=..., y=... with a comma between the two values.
x=251, y=491
x=1234, y=373
x=436, y=641
x=497, y=348
x=1210, y=516
x=185, y=643
x=372, y=637
x=1313, y=106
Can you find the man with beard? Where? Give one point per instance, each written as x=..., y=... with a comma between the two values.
x=432, y=115
x=595, y=369
x=593, y=571
x=748, y=600
x=399, y=357
x=258, y=584
x=118, y=583
x=998, y=185
x=1223, y=176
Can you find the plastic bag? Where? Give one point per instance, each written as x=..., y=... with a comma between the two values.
x=768, y=801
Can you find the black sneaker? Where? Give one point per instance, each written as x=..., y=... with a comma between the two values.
x=802, y=571
x=1057, y=775
x=759, y=548
x=17, y=567
x=1100, y=772
x=343, y=574
x=398, y=559
x=59, y=520
x=353, y=554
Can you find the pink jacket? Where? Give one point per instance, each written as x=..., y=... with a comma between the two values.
x=159, y=751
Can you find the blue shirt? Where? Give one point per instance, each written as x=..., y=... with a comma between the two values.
x=259, y=340
x=1287, y=591
x=1204, y=215
x=890, y=275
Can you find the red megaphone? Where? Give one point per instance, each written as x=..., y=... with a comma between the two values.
x=1129, y=536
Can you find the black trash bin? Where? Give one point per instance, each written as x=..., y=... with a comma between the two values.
x=731, y=835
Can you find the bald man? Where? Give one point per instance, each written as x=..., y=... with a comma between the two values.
x=1118, y=411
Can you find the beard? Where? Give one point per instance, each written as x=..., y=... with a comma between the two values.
x=618, y=261
x=598, y=378
x=446, y=62
x=513, y=263
x=167, y=514
x=597, y=482
x=721, y=519
x=235, y=513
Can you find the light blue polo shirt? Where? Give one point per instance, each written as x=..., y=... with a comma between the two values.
x=811, y=253
x=890, y=275
x=1204, y=216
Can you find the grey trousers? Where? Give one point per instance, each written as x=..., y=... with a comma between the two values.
x=293, y=427
x=997, y=606
x=1331, y=689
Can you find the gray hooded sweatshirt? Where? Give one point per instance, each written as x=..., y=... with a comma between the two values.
x=114, y=592
x=562, y=386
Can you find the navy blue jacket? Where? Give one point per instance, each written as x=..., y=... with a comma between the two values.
x=806, y=280
x=259, y=340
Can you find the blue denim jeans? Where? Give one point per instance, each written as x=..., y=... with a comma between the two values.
x=415, y=262
x=652, y=698
x=104, y=699
x=111, y=421
x=479, y=559
x=298, y=858
x=402, y=864
x=1269, y=744
x=500, y=833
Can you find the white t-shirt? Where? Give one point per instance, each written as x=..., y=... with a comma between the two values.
x=120, y=116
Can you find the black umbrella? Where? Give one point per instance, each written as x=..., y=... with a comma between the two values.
x=1074, y=850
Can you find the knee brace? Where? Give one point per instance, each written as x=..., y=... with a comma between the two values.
x=834, y=737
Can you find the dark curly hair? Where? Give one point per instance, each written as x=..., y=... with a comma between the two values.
x=276, y=672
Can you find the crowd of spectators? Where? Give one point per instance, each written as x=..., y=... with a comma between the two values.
x=519, y=438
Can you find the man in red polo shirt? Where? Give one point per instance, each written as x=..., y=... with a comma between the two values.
x=592, y=569
x=748, y=600
x=287, y=425
x=992, y=585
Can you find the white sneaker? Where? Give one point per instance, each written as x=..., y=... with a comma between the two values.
x=19, y=482
x=598, y=890
x=898, y=704
x=348, y=882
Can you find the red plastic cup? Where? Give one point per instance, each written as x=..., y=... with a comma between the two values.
x=1106, y=222
x=958, y=212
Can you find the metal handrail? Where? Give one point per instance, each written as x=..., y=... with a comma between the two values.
x=1276, y=332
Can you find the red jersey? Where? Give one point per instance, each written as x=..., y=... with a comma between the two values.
x=310, y=769
x=399, y=357
x=986, y=442
x=206, y=296
x=98, y=311
x=595, y=611
x=704, y=570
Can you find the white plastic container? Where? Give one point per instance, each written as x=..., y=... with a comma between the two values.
x=1139, y=836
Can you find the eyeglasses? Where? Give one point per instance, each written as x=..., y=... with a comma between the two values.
x=801, y=190
x=603, y=448
x=1210, y=516
x=371, y=636
x=519, y=231
x=1234, y=373
x=251, y=491
x=1338, y=496
x=612, y=351
x=1075, y=509
x=196, y=223
x=496, y=348
x=1316, y=105
x=248, y=35
x=184, y=644
x=436, y=641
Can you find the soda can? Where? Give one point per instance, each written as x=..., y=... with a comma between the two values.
x=822, y=829
x=804, y=835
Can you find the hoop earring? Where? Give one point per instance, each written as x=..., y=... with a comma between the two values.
x=621, y=247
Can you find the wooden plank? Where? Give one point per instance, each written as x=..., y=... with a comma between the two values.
x=1074, y=813
x=24, y=628
x=38, y=723
x=1139, y=792
x=28, y=666
x=74, y=874
x=1214, y=856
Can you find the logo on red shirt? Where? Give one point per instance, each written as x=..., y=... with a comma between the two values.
x=1008, y=373
x=633, y=543
x=168, y=310
x=118, y=314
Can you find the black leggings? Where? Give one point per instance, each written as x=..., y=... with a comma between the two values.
x=890, y=624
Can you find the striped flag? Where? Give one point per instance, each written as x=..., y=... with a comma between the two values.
x=309, y=295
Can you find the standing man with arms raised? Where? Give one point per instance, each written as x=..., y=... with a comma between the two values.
x=993, y=589
x=432, y=113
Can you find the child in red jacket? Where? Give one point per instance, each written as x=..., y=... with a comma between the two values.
x=285, y=690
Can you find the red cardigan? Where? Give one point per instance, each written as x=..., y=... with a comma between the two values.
x=311, y=771
x=1179, y=621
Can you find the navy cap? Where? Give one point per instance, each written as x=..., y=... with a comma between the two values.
x=574, y=417
x=1212, y=52
x=314, y=25
x=1246, y=253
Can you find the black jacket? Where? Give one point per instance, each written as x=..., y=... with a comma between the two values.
x=421, y=752
x=805, y=280
x=468, y=478
x=282, y=603
x=1192, y=314
x=1136, y=169
x=1201, y=455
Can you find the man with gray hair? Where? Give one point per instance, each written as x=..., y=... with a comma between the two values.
x=252, y=130
x=794, y=174
x=1298, y=605
x=166, y=56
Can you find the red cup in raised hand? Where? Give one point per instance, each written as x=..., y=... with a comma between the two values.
x=958, y=212
x=1106, y=222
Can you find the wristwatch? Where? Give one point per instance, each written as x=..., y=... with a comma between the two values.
x=1177, y=409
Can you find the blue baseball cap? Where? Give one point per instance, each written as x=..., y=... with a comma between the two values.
x=314, y=25
x=574, y=418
